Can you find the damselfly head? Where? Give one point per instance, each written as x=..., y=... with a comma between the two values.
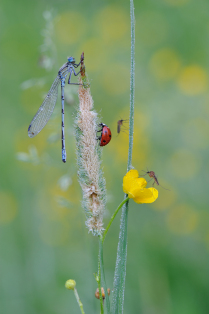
x=71, y=59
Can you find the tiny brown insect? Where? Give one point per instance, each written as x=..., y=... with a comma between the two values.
x=153, y=176
x=103, y=293
x=120, y=124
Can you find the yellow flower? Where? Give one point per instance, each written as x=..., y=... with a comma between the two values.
x=135, y=187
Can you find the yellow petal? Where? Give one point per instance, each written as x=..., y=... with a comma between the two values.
x=136, y=187
x=133, y=173
x=146, y=196
x=131, y=181
x=127, y=180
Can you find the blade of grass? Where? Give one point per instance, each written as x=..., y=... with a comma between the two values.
x=120, y=269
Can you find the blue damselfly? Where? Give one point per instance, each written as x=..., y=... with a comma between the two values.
x=46, y=109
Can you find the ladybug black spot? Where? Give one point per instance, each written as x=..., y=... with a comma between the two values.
x=105, y=135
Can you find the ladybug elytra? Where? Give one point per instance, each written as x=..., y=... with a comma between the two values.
x=105, y=134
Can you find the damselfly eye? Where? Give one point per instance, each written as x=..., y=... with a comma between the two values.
x=71, y=59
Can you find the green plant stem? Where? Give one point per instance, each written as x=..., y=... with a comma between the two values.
x=99, y=283
x=103, y=274
x=120, y=268
x=112, y=218
x=79, y=301
x=101, y=263
x=132, y=86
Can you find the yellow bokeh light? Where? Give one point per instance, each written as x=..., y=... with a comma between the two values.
x=8, y=207
x=193, y=80
x=164, y=64
x=95, y=54
x=70, y=26
x=141, y=142
x=112, y=23
x=120, y=146
x=23, y=141
x=182, y=219
x=141, y=146
x=183, y=164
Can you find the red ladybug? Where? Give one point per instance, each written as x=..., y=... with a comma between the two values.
x=105, y=135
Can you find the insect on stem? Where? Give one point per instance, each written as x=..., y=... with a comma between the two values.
x=46, y=109
x=105, y=136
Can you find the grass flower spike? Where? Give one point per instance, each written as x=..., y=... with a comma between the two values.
x=89, y=158
x=135, y=187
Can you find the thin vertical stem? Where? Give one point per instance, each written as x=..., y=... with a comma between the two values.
x=132, y=86
x=120, y=269
x=103, y=274
x=99, y=283
x=113, y=217
x=79, y=301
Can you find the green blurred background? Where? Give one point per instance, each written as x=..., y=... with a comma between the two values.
x=43, y=238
